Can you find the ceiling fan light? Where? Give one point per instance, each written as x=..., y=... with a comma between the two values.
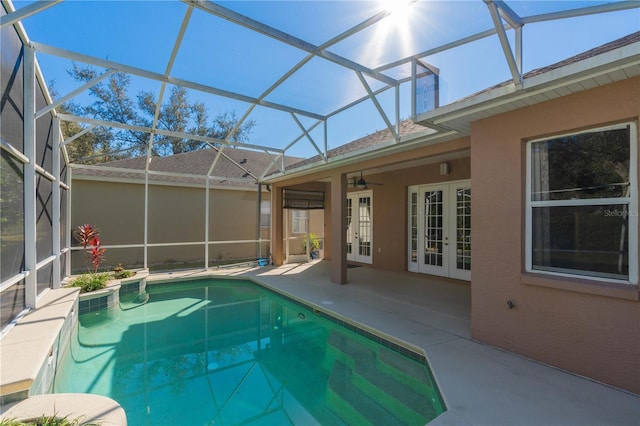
x=362, y=184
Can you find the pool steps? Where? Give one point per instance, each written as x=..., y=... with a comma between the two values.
x=357, y=367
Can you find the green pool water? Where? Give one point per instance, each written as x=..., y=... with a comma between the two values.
x=228, y=352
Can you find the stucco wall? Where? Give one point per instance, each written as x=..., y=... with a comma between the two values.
x=588, y=327
x=176, y=214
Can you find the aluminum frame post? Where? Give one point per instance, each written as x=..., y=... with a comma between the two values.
x=29, y=128
x=55, y=199
x=69, y=225
x=206, y=224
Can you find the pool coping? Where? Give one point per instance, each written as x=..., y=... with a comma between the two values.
x=84, y=407
x=33, y=341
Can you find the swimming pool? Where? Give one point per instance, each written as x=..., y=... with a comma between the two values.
x=231, y=352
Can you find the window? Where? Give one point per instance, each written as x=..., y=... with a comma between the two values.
x=582, y=204
x=265, y=213
x=299, y=221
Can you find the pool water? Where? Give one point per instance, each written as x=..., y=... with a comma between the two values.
x=229, y=352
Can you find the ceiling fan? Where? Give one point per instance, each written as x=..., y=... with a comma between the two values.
x=361, y=183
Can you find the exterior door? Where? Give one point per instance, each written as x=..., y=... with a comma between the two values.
x=360, y=226
x=440, y=229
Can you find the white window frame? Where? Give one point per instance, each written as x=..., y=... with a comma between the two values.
x=265, y=214
x=299, y=221
x=631, y=202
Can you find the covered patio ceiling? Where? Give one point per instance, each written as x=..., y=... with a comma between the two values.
x=313, y=75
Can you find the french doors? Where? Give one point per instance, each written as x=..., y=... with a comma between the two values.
x=360, y=226
x=440, y=229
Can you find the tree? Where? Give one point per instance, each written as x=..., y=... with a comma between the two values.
x=84, y=146
x=112, y=103
x=179, y=115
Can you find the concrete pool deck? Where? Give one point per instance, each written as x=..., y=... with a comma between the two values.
x=481, y=385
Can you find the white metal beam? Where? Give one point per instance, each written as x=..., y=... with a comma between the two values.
x=145, y=247
x=87, y=59
x=74, y=93
x=55, y=201
x=94, y=167
x=296, y=140
x=115, y=124
x=163, y=85
x=373, y=98
x=30, y=221
x=286, y=38
x=442, y=48
x=79, y=134
x=306, y=133
x=508, y=14
x=273, y=164
x=103, y=154
x=516, y=73
x=363, y=25
x=206, y=224
x=583, y=11
x=69, y=224
x=25, y=12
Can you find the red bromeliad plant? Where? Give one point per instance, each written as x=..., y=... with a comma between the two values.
x=87, y=235
x=96, y=254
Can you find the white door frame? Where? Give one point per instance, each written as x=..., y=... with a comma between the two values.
x=359, y=230
x=447, y=223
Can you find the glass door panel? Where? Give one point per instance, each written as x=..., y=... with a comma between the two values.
x=440, y=230
x=349, y=229
x=434, y=230
x=433, y=236
x=461, y=268
x=360, y=226
x=364, y=222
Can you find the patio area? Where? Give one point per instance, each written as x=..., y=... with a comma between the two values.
x=481, y=385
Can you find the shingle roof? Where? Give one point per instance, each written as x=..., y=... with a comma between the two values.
x=407, y=127
x=196, y=163
x=621, y=42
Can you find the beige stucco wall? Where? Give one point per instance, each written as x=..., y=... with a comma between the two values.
x=587, y=327
x=176, y=214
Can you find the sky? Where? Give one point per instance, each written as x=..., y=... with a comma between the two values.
x=219, y=53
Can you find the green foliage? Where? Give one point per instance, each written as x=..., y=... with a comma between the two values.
x=111, y=102
x=314, y=242
x=91, y=282
x=119, y=272
x=46, y=421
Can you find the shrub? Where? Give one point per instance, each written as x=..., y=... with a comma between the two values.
x=119, y=272
x=314, y=241
x=90, y=282
x=46, y=421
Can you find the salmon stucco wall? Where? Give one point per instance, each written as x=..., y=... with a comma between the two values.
x=588, y=327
